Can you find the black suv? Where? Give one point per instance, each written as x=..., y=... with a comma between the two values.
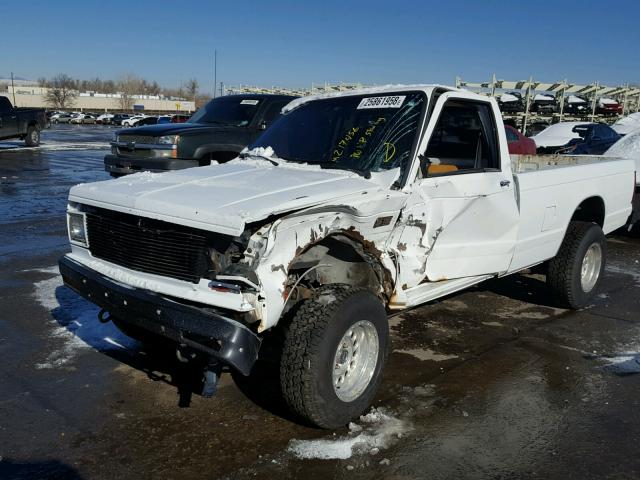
x=218, y=131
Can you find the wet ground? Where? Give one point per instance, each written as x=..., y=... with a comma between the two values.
x=492, y=383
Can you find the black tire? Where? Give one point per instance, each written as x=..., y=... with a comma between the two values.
x=565, y=269
x=32, y=139
x=310, y=347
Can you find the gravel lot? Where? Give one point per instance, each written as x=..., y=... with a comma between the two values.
x=492, y=383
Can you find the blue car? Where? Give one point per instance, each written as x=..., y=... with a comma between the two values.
x=595, y=139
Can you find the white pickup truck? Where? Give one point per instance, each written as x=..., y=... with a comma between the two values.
x=351, y=205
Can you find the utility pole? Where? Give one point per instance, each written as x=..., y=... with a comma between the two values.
x=13, y=89
x=215, y=72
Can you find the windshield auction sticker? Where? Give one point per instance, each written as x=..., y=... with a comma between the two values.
x=394, y=101
x=249, y=102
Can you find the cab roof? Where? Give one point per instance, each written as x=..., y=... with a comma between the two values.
x=426, y=88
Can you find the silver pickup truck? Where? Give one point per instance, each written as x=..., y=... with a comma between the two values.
x=350, y=206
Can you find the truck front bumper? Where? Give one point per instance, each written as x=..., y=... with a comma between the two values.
x=200, y=328
x=126, y=165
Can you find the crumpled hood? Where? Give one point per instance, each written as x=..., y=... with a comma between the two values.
x=221, y=198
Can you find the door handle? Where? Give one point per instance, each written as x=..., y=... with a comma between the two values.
x=505, y=183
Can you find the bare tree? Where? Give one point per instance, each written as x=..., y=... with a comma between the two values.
x=202, y=99
x=61, y=92
x=192, y=86
x=128, y=86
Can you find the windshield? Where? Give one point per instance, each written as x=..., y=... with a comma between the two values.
x=363, y=132
x=232, y=110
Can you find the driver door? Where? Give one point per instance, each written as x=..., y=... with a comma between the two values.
x=463, y=200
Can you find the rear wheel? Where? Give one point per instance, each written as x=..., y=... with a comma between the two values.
x=574, y=274
x=33, y=137
x=333, y=356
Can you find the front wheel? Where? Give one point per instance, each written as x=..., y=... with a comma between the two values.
x=334, y=353
x=574, y=274
x=33, y=137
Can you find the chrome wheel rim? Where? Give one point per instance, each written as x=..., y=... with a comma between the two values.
x=591, y=264
x=355, y=360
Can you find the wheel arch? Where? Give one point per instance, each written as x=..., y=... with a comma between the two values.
x=342, y=258
x=591, y=209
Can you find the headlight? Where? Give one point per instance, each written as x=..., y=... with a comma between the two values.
x=77, y=228
x=169, y=139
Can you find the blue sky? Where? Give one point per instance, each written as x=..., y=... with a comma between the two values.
x=293, y=44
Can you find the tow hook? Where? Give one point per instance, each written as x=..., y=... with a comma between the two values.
x=210, y=379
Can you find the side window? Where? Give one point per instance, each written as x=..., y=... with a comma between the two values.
x=464, y=139
x=273, y=111
x=511, y=135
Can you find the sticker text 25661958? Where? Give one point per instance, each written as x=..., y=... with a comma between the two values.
x=394, y=101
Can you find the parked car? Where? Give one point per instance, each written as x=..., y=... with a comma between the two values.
x=329, y=220
x=544, y=103
x=218, y=131
x=118, y=118
x=22, y=123
x=518, y=143
x=150, y=120
x=62, y=118
x=179, y=118
x=627, y=124
x=131, y=121
x=83, y=119
x=164, y=119
x=608, y=106
x=556, y=136
x=577, y=105
x=594, y=139
x=629, y=147
x=104, y=118
x=511, y=102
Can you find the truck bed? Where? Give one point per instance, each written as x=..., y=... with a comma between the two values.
x=552, y=187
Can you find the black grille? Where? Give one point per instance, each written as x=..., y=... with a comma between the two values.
x=137, y=138
x=147, y=245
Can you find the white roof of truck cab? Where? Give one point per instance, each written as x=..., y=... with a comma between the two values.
x=557, y=135
x=427, y=88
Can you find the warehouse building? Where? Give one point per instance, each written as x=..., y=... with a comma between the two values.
x=34, y=96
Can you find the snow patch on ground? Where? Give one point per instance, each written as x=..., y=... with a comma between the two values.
x=376, y=430
x=75, y=322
